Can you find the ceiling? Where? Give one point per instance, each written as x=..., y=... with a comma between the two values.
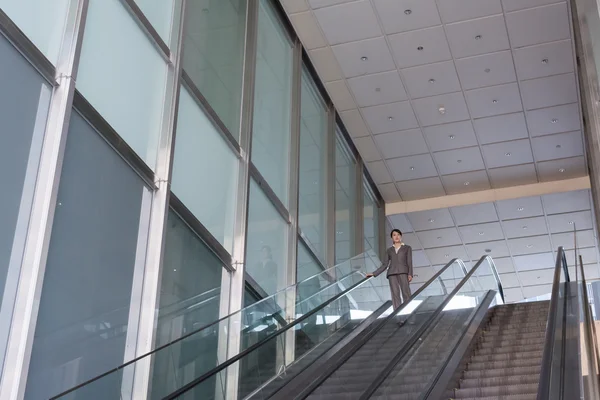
x=521, y=235
x=450, y=96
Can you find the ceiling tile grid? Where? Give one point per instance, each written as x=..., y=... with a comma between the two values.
x=450, y=96
x=521, y=235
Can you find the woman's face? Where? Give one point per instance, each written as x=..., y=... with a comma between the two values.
x=396, y=237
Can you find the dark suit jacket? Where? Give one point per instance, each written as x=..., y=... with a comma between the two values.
x=397, y=264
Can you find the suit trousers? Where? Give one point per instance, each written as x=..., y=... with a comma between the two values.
x=399, y=285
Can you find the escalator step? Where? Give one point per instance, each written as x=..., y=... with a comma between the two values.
x=502, y=342
x=500, y=381
x=504, y=364
x=496, y=391
x=506, y=356
x=498, y=372
x=506, y=397
x=507, y=349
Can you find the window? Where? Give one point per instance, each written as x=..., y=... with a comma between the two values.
x=87, y=291
x=42, y=21
x=371, y=222
x=213, y=54
x=272, y=102
x=266, y=248
x=25, y=98
x=312, y=206
x=123, y=76
x=160, y=15
x=345, y=202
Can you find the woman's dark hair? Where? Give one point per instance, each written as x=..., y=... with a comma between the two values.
x=397, y=231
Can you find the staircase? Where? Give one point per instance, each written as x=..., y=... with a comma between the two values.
x=506, y=361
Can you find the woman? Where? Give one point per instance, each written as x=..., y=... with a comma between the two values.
x=400, y=268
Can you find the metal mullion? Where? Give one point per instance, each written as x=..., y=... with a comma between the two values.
x=26, y=306
x=360, y=221
x=147, y=27
x=150, y=291
x=269, y=192
x=26, y=47
x=308, y=247
x=330, y=188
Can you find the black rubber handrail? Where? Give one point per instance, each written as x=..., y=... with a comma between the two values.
x=415, y=336
x=189, y=386
x=593, y=355
x=546, y=372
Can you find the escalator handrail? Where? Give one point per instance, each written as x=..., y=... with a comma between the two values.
x=258, y=344
x=592, y=349
x=416, y=335
x=546, y=371
x=496, y=275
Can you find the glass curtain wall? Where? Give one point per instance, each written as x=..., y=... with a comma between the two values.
x=370, y=222
x=189, y=160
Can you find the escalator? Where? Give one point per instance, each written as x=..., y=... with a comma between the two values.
x=453, y=339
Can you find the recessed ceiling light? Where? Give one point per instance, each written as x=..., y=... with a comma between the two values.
x=412, y=168
x=390, y=118
x=520, y=209
x=495, y=101
x=529, y=246
x=507, y=154
x=442, y=110
x=561, y=170
x=364, y=58
x=407, y=12
x=467, y=183
x=481, y=233
x=205, y=10
x=488, y=250
x=439, y=238
x=459, y=161
x=420, y=48
x=378, y=89
x=571, y=222
x=545, y=61
x=558, y=146
x=175, y=270
x=432, y=80
x=478, y=37
x=554, y=120
x=487, y=70
x=525, y=227
x=451, y=137
x=447, y=255
x=431, y=220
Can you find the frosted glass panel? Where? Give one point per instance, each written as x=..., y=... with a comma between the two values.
x=205, y=171
x=214, y=52
x=345, y=202
x=272, y=102
x=313, y=154
x=43, y=22
x=85, y=302
x=266, y=251
x=160, y=15
x=24, y=99
x=371, y=222
x=123, y=76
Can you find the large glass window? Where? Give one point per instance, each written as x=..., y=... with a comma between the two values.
x=345, y=201
x=371, y=222
x=160, y=15
x=42, y=21
x=190, y=292
x=312, y=206
x=214, y=53
x=266, y=244
x=96, y=245
x=205, y=170
x=272, y=102
x=123, y=76
x=24, y=100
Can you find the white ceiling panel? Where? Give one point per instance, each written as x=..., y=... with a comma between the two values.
x=544, y=60
x=474, y=214
x=376, y=89
x=460, y=160
x=407, y=15
x=308, y=30
x=478, y=36
x=566, y=168
x=295, y=6
x=510, y=281
x=514, y=5
x=364, y=57
x=431, y=80
x=486, y=70
x=532, y=279
x=431, y=219
x=513, y=295
x=507, y=153
x=389, y=192
x=530, y=245
x=495, y=100
x=460, y=10
x=495, y=249
x=390, y=117
x=421, y=188
x=551, y=120
x=359, y=22
x=550, y=91
x=513, y=176
x=325, y=63
x=354, y=123
x=314, y=4
x=400, y=221
x=558, y=203
x=366, y=147
x=538, y=25
x=411, y=239
x=453, y=108
x=560, y=223
x=439, y=238
x=442, y=255
x=533, y=226
x=562, y=145
x=567, y=240
x=501, y=128
x=412, y=167
x=420, y=47
x=538, y=290
x=423, y=274
x=403, y=143
x=520, y=208
x=466, y=182
x=450, y=136
x=481, y=232
x=379, y=172
x=340, y=95
x=589, y=256
x=503, y=265
x=534, y=262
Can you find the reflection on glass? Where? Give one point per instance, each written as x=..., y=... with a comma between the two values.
x=205, y=170
x=213, y=53
x=313, y=153
x=84, y=309
x=371, y=221
x=345, y=201
x=266, y=248
x=129, y=90
x=189, y=300
x=272, y=102
x=42, y=21
x=160, y=15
